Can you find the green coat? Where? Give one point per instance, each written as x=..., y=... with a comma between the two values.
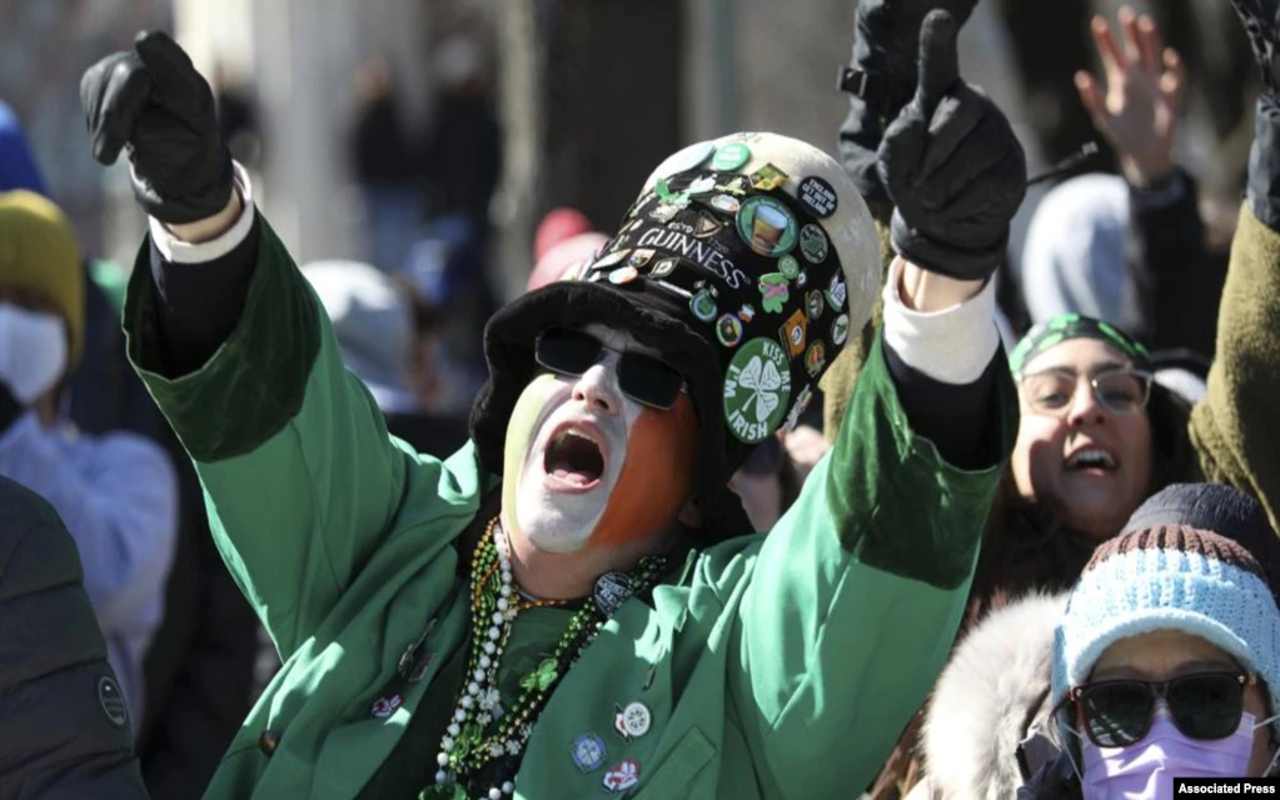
x=774, y=666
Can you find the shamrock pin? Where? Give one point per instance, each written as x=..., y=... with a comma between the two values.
x=542, y=677
x=757, y=387
x=773, y=291
x=764, y=381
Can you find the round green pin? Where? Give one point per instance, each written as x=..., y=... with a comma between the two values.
x=703, y=305
x=730, y=157
x=757, y=388
x=813, y=244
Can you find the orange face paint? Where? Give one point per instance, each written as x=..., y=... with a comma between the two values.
x=656, y=477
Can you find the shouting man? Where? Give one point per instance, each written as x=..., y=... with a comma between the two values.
x=561, y=609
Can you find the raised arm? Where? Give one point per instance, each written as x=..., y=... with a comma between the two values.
x=880, y=80
x=1134, y=104
x=1234, y=427
x=300, y=477
x=853, y=599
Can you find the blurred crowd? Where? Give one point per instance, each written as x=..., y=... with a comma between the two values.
x=1116, y=309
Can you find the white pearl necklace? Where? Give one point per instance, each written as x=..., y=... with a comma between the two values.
x=481, y=699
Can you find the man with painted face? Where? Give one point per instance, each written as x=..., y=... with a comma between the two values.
x=559, y=610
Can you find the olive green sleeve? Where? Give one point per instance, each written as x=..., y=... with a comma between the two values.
x=1234, y=429
x=837, y=383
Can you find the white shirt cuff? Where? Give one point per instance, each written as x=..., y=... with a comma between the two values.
x=177, y=251
x=954, y=345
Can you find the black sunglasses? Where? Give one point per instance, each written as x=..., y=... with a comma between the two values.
x=645, y=379
x=1206, y=705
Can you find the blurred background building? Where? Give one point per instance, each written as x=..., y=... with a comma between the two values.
x=415, y=149
x=429, y=137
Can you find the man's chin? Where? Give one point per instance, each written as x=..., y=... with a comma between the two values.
x=561, y=523
x=559, y=543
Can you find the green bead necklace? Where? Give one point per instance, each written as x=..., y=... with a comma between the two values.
x=483, y=740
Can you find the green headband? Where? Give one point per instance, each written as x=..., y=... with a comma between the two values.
x=1074, y=326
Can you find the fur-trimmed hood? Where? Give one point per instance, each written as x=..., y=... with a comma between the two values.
x=990, y=696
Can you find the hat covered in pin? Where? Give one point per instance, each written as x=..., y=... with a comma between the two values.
x=747, y=262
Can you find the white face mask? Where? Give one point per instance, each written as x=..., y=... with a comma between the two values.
x=33, y=351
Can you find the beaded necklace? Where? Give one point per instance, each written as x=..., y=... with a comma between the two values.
x=483, y=741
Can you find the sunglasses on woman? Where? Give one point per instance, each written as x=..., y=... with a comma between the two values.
x=645, y=379
x=1120, y=390
x=1205, y=705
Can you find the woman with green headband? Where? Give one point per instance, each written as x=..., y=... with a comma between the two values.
x=1097, y=437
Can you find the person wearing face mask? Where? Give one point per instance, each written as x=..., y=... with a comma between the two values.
x=117, y=492
x=1159, y=662
x=1165, y=657
x=565, y=607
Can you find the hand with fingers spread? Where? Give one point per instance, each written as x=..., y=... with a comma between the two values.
x=1138, y=112
x=151, y=102
x=952, y=166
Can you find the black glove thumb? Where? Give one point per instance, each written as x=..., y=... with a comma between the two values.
x=175, y=82
x=153, y=99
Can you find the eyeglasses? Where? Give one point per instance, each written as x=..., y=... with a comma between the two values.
x=1206, y=705
x=1121, y=390
x=645, y=379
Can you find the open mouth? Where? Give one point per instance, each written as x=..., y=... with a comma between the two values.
x=1090, y=459
x=572, y=461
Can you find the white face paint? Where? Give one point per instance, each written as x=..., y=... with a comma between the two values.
x=579, y=443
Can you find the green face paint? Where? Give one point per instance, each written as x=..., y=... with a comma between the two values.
x=522, y=429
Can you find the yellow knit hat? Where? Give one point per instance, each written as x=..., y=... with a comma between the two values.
x=38, y=253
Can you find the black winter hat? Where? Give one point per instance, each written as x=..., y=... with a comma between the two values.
x=747, y=261
x=1215, y=507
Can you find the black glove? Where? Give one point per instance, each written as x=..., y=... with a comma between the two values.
x=1261, y=20
x=952, y=166
x=152, y=99
x=882, y=77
